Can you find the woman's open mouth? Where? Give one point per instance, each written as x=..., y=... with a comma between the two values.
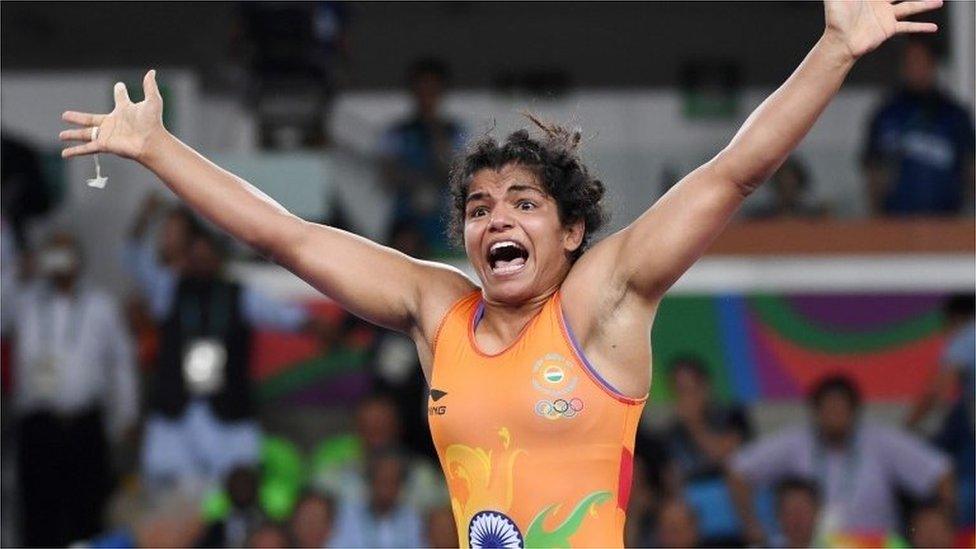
x=507, y=257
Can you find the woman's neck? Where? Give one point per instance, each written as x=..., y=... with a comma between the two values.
x=505, y=321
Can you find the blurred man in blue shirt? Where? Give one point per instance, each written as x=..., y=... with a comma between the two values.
x=699, y=440
x=418, y=152
x=382, y=518
x=919, y=154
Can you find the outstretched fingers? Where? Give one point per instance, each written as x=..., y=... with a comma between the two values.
x=84, y=134
x=121, y=95
x=89, y=121
x=149, y=87
x=82, y=118
x=913, y=7
x=904, y=27
x=79, y=150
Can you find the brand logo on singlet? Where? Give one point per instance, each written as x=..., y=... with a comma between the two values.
x=436, y=410
x=435, y=395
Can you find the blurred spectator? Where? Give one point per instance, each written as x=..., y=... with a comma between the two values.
x=378, y=428
x=201, y=422
x=168, y=519
x=704, y=432
x=313, y=520
x=440, y=529
x=790, y=187
x=931, y=526
x=245, y=513
x=377, y=423
x=797, y=512
x=857, y=465
x=677, y=525
x=173, y=228
x=24, y=193
x=955, y=385
x=702, y=436
x=267, y=535
x=919, y=153
x=382, y=519
x=297, y=53
x=418, y=153
x=294, y=39
x=176, y=226
x=75, y=384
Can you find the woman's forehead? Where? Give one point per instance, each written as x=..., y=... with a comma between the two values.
x=500, y=181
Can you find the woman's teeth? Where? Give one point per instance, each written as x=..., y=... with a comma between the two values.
x=505, y=267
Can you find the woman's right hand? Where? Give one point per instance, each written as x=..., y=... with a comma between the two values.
x=127, y=131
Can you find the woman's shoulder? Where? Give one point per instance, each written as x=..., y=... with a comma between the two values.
x=443, y=290
x=443, y=285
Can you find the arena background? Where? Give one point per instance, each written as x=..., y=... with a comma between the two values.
x=776, y=305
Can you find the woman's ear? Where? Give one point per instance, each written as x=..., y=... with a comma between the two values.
x=573, y=237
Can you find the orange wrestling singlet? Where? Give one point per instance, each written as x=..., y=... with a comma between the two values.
x=536, y=447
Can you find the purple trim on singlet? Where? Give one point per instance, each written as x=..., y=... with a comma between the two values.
x=582, y=356
x=479, y=313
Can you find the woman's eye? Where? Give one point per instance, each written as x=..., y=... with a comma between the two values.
x=477, y=212
x=526, y=205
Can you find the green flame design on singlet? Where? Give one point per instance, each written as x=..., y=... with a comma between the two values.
x=537, y=536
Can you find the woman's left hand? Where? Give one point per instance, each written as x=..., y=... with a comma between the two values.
x=863, y=25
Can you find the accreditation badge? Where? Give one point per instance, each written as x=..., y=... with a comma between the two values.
x=204, y=366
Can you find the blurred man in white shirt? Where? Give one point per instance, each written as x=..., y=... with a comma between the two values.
x=74, y=387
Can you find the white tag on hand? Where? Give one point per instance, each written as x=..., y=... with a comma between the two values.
x=97, y=182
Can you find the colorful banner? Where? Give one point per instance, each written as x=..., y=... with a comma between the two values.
x=769, y=347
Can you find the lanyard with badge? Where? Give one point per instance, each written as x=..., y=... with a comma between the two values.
x=205, y=355
x=47, y=375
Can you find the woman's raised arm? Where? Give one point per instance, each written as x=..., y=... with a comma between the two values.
x=655, y=250
x=373, y=281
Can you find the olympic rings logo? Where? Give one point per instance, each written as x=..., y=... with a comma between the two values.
x=558, y=408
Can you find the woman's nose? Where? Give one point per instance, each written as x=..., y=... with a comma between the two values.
x=499, y=221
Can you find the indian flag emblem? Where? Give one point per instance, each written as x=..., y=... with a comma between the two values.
x=554, y=374
x=493, y=529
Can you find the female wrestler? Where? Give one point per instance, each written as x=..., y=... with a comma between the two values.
x=539, y=376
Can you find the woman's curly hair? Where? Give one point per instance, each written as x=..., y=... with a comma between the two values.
x=556, y=161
